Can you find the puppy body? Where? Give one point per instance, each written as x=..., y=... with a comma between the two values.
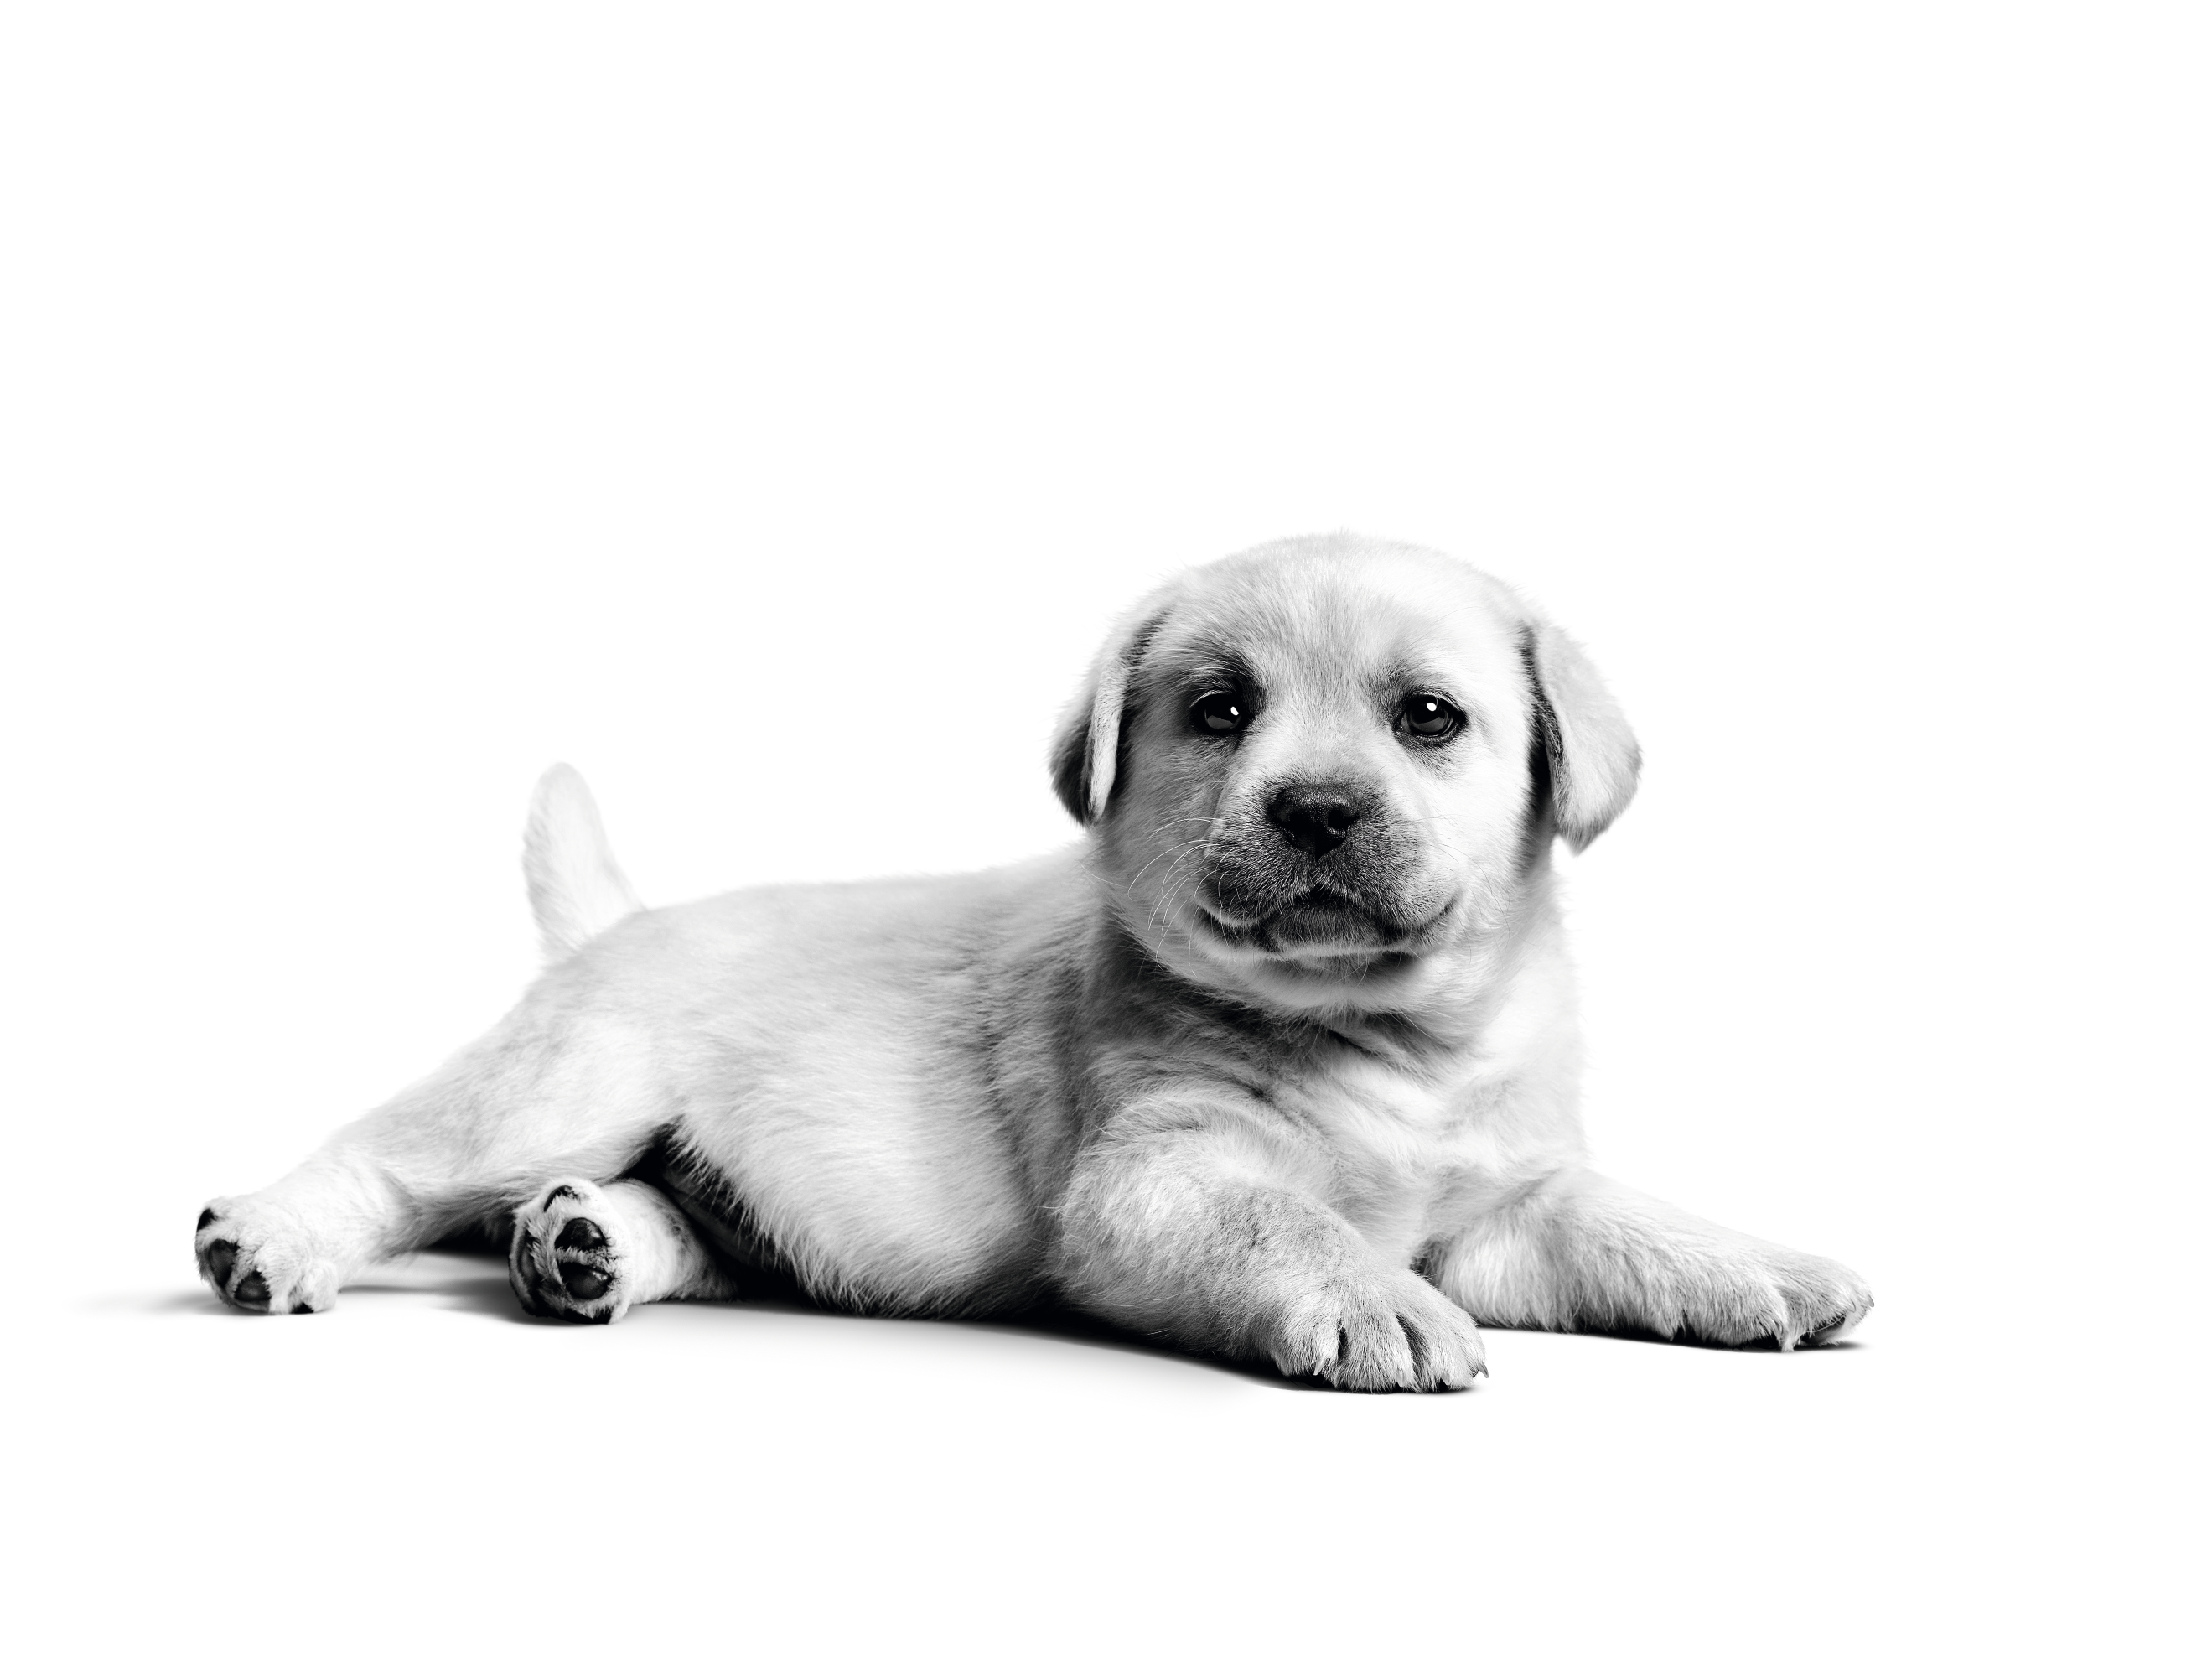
x=1281, y=1063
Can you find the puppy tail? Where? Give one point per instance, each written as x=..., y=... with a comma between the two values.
x=576, y=889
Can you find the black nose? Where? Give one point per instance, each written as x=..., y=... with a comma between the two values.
x=1315, y=816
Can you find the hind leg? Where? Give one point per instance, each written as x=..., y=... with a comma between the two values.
x=590, y=1253
x=552, y=1093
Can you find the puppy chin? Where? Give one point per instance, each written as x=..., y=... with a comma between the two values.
x=1323, y=922
x=1314, y=956
x=1312, y=931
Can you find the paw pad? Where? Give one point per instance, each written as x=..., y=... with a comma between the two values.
x=585, y=1284
x=580, y=1234
x=560, y=1261
x=257, y=1261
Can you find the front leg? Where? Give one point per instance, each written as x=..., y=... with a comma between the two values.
x=1578, y=1252
x=1203, y=1222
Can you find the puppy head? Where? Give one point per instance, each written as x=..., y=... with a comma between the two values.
x=1313, y=769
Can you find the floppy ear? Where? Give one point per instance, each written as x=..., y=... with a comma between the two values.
x=1087, y=751
x=1582, y=738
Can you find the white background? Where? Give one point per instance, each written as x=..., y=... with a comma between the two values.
x=766, y=412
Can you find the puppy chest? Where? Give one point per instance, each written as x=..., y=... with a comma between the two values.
x=1404, y=1151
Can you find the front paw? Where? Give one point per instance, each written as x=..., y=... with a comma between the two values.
x=258, y=1258
x=1799, y=1301
x=1824, y=1301
x=1377, y=1329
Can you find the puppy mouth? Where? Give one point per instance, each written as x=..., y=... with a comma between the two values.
x=1320, y=922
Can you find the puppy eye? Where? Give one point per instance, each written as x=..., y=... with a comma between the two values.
x=1426, y=716
x=1221, y=713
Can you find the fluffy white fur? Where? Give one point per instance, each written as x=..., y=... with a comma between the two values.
x=1191, y=1075
x=576, y=889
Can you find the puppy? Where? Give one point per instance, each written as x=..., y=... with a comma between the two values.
x=1280, y=1063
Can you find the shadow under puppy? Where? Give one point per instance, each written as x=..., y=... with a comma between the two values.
x=1279, y=1061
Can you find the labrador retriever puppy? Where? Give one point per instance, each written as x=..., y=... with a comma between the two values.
x=1280, y=1063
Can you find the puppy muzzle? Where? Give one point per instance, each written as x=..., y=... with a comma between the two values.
x=1324, y=908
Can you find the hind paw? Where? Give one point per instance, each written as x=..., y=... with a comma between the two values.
x=566, y=1260
x=258, y=1258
